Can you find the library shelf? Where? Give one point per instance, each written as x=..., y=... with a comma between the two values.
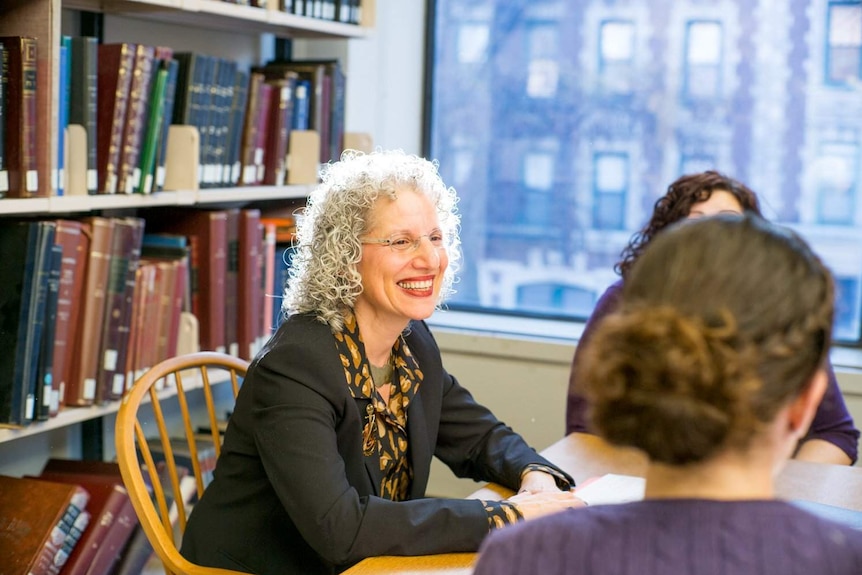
x=71, y=415
x=219, y=15
x=82, y=204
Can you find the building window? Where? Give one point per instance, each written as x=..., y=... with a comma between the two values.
x=609, y=191
x=616, y=55
x=837, y=183
x=473, y=43
x=844, y=42
x=703, y=59
x=543, y=70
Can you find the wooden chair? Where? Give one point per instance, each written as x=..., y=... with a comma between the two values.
x=146, y=420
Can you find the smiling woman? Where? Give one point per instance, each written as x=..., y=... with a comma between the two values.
x=323, y=463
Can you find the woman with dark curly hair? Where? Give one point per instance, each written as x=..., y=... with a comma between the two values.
x=833, y=438
x=713, y=367
x=328, y=451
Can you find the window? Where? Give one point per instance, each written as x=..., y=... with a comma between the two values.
x=844, y=42
x=560, y=123
x=616, y=56
x=837, y=180
x=543, y=74
x=609, y=191
x=703, y=59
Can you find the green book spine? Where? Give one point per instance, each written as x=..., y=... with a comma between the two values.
x=153, y=131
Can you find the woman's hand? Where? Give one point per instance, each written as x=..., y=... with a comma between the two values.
x=536, y=482
x=532, y=505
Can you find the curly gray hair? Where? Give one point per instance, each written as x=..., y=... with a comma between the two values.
x=323, y=277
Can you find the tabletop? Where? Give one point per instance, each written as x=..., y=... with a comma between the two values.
x=585, y=456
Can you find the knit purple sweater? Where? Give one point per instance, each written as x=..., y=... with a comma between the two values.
x=675, y=537
x=831, y=423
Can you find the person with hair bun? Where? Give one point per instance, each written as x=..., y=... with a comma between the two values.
x=713, y=365
x=833, y=437
x=328, y=451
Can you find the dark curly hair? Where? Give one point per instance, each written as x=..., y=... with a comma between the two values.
x=724, y=321
x=676, y=204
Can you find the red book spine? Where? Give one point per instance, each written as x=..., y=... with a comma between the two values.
x=134, y=126
x=250, y=286
x=182, y=278
x=268, y=277
x=75, y=245
x=278, y=126
x=116, y=62
x=125, y=254
x=248, y=170
x=81, y=385
x=231, y=291
x=19, y=67
x=261, y=131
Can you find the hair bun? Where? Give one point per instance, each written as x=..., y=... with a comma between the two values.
x=666, y=383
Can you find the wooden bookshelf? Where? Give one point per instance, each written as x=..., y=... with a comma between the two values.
x=72, y=415
x=218, y=15
x=42, y=19
x=81, y=204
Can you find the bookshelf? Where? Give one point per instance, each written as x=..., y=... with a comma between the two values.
x=44, y=19
x=74, y=415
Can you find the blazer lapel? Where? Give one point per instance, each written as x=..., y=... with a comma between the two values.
x=420, y=449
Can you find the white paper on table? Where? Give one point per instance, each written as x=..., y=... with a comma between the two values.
x=612, y=488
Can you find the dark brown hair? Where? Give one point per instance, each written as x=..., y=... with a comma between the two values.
x=676, y=205
x=723, y=321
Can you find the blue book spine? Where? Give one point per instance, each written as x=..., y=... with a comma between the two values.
x=301, y=105
x=63, y=114
x=165, y=240
x=45, y=375
x=36, y=324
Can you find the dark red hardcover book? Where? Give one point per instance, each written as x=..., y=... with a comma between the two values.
x=179, y=303
x=116, y=63
x=19, y=68
x=164, y=296
x=231, y=291
x=75, y=243
x=112, y=523
x=261, y=131
x=134, y=326
x=250, y=282
x=81, y=385
x=278, y=129
x=37, y=518
x=134, y=126
x=125, y=254
x=248, y=168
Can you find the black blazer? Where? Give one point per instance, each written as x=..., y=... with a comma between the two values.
x=292, y=491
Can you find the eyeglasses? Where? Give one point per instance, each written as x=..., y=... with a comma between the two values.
x=404, y=243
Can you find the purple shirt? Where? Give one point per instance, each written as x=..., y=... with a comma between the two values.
x=831, y=423
x=675, y=537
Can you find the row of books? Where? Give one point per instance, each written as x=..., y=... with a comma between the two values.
x=88, y=305
x=346, y=11
x=126, y=96
x=76, y=518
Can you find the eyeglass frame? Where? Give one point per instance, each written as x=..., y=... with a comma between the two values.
x=410, y=247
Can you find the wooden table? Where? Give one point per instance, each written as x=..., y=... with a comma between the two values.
x=585, y=456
